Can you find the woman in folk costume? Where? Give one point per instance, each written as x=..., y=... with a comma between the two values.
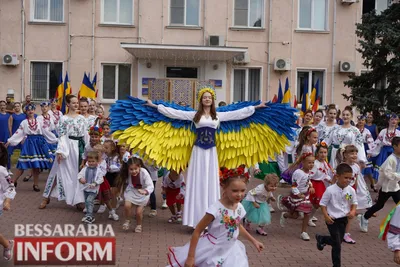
x=241, y=133
x=73, y=134
x=345, y=134
x=55, y=114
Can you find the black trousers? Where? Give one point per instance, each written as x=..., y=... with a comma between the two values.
x=382, y=198
x=335, y=239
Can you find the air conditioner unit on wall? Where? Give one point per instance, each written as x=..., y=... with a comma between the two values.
x=216, y=40
x=243, y=58
x=10, y=59
x=282, y=64
x=349, y=2
x=347, y=66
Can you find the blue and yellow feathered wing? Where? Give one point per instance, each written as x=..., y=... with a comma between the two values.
x=169, y=142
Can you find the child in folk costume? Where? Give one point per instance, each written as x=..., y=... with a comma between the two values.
x=107, y=132
x=320, y=176
x=299, y=200
x=349, y=155
x=47, y=122
x=113, y=168
x=138, y=191
x=383, y=143
x=345, y=134
x=123, y=156
x=338, y=204
x=368, y=145
x=95, y=134
x=90, y=178
x=35, y=154
x=220, y=245
x=388, y=183
x=308, y=138
x=73, y=135
x=256, y=204
x=174, y=188
x=7, y=193
x=325, y=128
x=54, y=112
x=390, y=230
x=83, y=108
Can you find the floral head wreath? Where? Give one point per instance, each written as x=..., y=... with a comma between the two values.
x=323, y=144
x=207, y=89
x=306, y=154
x=230, y=173
x=392, y=116
x=96, y=130
x=30, y=106
x=53, y=100
x=309, y=131
x=361, y=117
x=45, y=103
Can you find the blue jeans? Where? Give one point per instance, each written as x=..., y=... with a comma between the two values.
x=89, y=202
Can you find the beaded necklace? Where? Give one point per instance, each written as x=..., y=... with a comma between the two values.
x=32, y=125
x=389, y=136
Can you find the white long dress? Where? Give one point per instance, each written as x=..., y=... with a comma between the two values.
x=345, y=136
x=363, y=195
x=66, y=172
x=202, y=182
x=220, y=245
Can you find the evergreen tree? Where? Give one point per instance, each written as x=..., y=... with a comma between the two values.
x=379, y=40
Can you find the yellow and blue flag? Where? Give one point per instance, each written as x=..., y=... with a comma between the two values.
x=59, y=92
x=280, y=94
x=286, y=96
x=305, y=102
x=315, y=96
x=66, y=91
x=94, y=84
x=87, y=89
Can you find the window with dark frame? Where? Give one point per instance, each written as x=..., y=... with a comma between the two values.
x=44, y=79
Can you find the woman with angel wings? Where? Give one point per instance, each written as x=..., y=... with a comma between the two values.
x=176, y=137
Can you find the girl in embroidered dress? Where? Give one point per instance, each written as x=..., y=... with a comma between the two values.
x=7, y=193
x=173, y=187
x=203, y=164
x=308, y=138
x=371, y=126
x=320, y=175
x=55, y=113
x=345, y=134
x=92, y=106
x=256, y=204
x=318, y=116
x=368, y=145
x=13, y=124
x=383, y=143
x=73, y=134
x=83, y=109
x=47, y=121
x=138, y=191
x=113, y=168
x=325, y=128
x=35, y=154
x=349, y=155
x=106, y=132
x=220, y=246
x=299, y=199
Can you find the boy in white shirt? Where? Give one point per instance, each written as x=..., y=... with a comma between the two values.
x=389, y=178
x=338, y=203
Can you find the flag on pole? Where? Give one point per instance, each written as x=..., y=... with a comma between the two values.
x=286, y=96
x=67, y=91
x=305, y=104
x=86, y=89
x=94, y=84
x=280, y=94
x=59, y=92
x=315, y=96
x=275, y=99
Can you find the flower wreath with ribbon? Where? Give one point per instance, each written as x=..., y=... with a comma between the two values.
x=361, y=117
x=226, y=173
x=30, y=106
x=391, y=115
x=96, y=130
x=207, y=89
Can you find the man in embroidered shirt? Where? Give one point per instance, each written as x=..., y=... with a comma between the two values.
x=338, y=203
x=389, y=178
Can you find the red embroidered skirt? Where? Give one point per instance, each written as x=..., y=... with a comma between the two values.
x=172, y=193
x=104, y=191
x=295, y=203
x=319, y=188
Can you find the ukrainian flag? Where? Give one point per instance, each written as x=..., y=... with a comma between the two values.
x=66, y=91
x=305, y=102
x=315, y=96
x=280, y=94
x=59, y=92
x=94, y=84
x=87, y=89
x=286, y=96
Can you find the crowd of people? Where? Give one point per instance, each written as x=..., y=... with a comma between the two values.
x=331, y=165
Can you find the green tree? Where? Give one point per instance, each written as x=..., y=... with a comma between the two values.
x=379, y=40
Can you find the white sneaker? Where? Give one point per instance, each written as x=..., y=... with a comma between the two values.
x=363, y=223
x=84, y=210
x=314, y=219
x=112, y=215
x=311, y=223
x=120, y=201
x=282, y=181
x=282, y=220
x=164, y=205
x=305, y=236
x=153, y=213
x=102, y=209
x=279, y=202
x=271, y=209
x=10, y=173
